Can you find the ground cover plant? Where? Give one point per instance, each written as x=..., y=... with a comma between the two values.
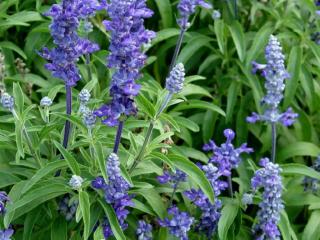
x=159, y=119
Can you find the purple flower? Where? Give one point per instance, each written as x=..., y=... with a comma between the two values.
x=317, y=2
x=187, y=8
x=174, y=82
x=4, y=199
x=268, y=178
x=179, y=224
x=70, y=46
x=88, y=118
x=275, y=74
x=312, y=184
x=68, y=207
x=46, y=102
x=128, y=35
x=173, y=178
x=210, y=211
x=6, y=234
x=7, y=101
x=144, y=231
x=115, y=193
x=226, y=157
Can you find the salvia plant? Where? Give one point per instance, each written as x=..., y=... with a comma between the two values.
x=159, y=119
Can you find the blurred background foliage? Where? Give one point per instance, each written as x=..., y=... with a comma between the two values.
x=221, y=92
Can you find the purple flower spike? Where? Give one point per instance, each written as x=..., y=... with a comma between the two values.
x=115, y=192
x=6, y=234
x=271, y=206
x=275, y=74
x=144, y=231
x=226, y=157
x=173, y=178
x=128, y=35
x=179, y=224
x=187, y=8
x=66, y=18
x=4, y=199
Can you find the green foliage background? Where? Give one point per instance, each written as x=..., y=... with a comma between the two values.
x=220, y=92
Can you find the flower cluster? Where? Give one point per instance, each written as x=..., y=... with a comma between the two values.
x=6, y=234
x=187, y=8
x=275, y=74
x=312, y=184
x=268, y=178
x=226, y=157
x=3, y=201
x=144, y=231
x=88, y=116
x=128, y=35
x=115, y=192
x=68, y=207
x=173, y=178
x=7, y=101
x=69, y=45
x=179, y=224
x=174, y=82
x=210, y=211
x=46, y=102
x=76, y=182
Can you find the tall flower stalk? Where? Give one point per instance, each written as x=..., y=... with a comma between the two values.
x=62, y=59
x=128, y=35
x=275, y=74
x=175, y=79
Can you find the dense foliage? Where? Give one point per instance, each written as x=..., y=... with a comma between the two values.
x=159, y=119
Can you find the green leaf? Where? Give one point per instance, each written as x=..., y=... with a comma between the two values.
x=196, y=104
x=194, y=173
x=7, y=179
x=287, y=232
x=154, y=200
x=101, y=160
x=219, y=29
x=18, y=97
x=312, y=229
x=165, y=34
x=145, y=105
x=59, y=229
x=192, y=89
x=228, y=215
x=163, y=158
x=72, y=162
x=232, y=99
x=116, y=229
x=238, y=39
x=84, y=203
x=19, y=138
x=294, y=69
x=12, y=46
x=300, y=169
x=49, y=168
x=165, y=10
x=298, y=149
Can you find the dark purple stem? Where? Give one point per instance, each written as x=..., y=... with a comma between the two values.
x=67, y=125
x=118, y=137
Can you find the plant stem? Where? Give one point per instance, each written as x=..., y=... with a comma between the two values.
x=67, y=125
x=230, y=186
x=28, y=139
x=88, y=66
x=143, y=148
x=118, y=137
x=177, y=49
x=173, y=193
x=274, y=141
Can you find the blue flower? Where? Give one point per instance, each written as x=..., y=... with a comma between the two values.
x=275, y=74
x=268, y=178
x=76, y=182
x=226, y=157
x=312, y=184
x=68, y=207
x=70, y=46
x=187, y=8
x=115, y=193
x=7, y=101
x=45, y=102
x=173, y=178
x=84, y=96
x=144, y=231
x=128, y=35
x=179, y=224
x=4, y=199
x=6, y=234
x=174, y=82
